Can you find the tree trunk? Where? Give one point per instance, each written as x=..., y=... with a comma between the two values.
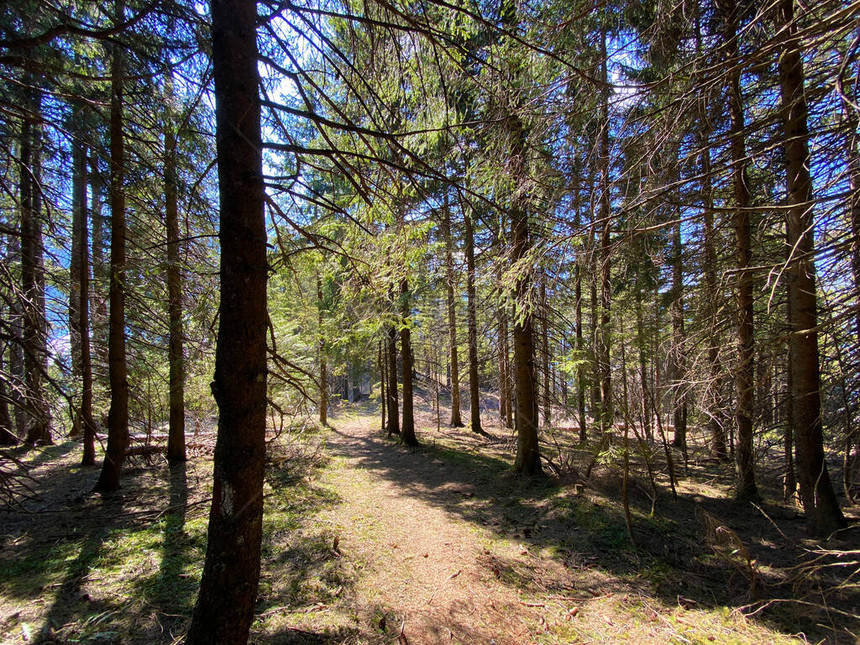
x=7, y=431
x=450, y=280
x=580, y=341
x=712, y=404
x=603, y=335
x=383, y=395
x=472, y=321
x=679, y=358
x=100, y=282
x=393, y=406
x=528, y=460
x=79, y=206
x=822, y=509
x=408, y=428
x=746, y=486
x=81, y=256
x=176, y=354
x=323, y=358
x=16, y=349
x=642, y=341
x=225, y=606
x=117, y=369
x=547, y=376
x=34, y=334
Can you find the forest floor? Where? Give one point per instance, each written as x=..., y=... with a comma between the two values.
x=367, y=541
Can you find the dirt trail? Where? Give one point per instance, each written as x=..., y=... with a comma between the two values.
x=425, y=567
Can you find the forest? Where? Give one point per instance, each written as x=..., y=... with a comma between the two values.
x=429, y=321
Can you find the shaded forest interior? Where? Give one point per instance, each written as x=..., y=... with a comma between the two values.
x=578, y=282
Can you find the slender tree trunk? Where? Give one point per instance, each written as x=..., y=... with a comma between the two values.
x=547, y=398
x=472, y=322
x=822, y=509
x=393, y=406
x=176, y=353
x=16, y=349
x=7, y=430
x=225, y=606
x=323, y=358
x=33, y=277
x=744, y=380
x=79, y=206
x=100, y=270
x=408, y=428
x=456, y=419
x=679, y=358
x=580, y=343
x=851, y=461
x=642, y=342
x=603, y=336
x=713, y=405
x=505, y=358
x=81, y=253
x=383, y=390
x=117, y=369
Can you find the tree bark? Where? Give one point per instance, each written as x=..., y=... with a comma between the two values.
x=547, y=376
x=117, y=369
x=34, y=332
x=323, y=360
x=822, y=509
x=81, y=255
x=713, y=407
x=472, y=323
x=79, y=206
x=176, y=352
x=746, y=486
x=456, y=417
x=528, y=461
x=604, y=331
x=407, y=430
x=393, y=405
x=225, y=606
x=679, y=351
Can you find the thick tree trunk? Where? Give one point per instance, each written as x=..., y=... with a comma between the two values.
x=746, y=486
x=472, y=323
x=225, y=606
x=176, y=354
x=117, y=369
x=528, y=461
x=450, y=280
x=822, y=509
x=408, y=428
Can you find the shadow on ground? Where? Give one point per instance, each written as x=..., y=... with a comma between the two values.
x=702, y=549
